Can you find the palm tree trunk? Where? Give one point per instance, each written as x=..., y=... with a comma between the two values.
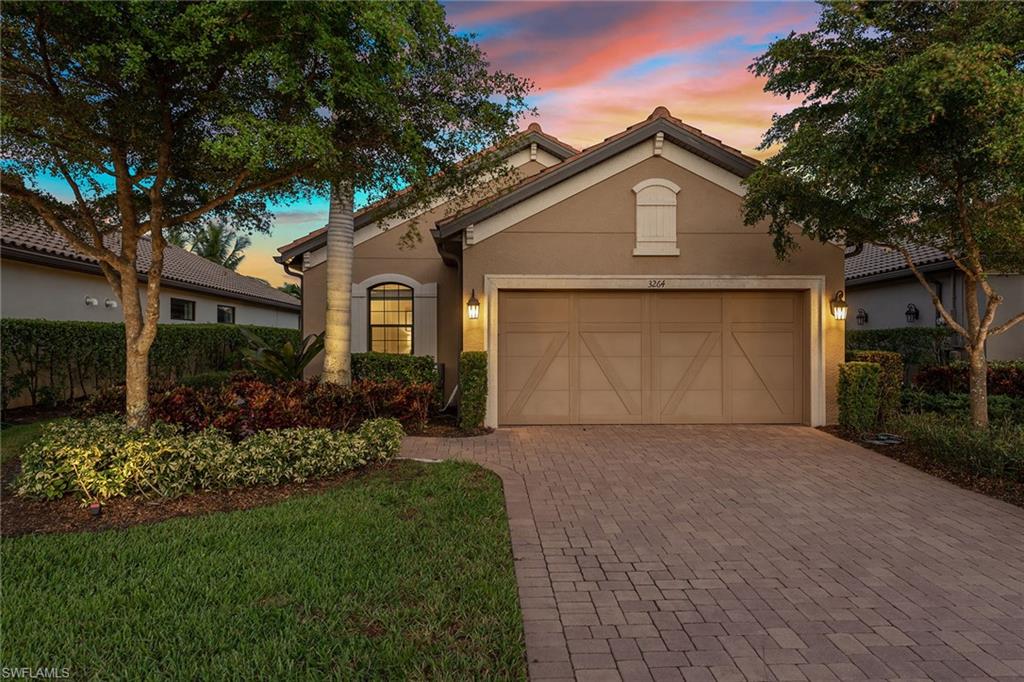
x=338, y=322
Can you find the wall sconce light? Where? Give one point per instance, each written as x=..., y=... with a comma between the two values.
x=838, y=305
x=473, y=306
x=110, y=303
x=862, y=316
x=913, y=314
x=91, y=301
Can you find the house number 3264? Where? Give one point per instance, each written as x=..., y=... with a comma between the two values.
x=655, y=284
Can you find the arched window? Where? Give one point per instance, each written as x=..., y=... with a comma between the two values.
x=391, y=318
x=656, y=218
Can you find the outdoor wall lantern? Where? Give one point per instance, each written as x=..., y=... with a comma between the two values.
x=862, y=316
x=473, y=306
x=913, y=314
x=110, y=303
x=91, y=301
x=838, y=304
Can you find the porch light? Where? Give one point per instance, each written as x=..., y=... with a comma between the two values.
x=838, y=305
x=473, y=306
x=913, y=314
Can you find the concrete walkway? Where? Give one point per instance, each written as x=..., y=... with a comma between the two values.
x=749, y=553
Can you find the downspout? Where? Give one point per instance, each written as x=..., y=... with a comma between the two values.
x=287, y=265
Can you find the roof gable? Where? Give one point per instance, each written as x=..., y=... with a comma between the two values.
x=660, y=135
x=533, y=139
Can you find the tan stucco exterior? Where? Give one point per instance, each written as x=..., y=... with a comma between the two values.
x=593, y=233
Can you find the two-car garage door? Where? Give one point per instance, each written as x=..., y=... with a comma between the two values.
x=591, y=357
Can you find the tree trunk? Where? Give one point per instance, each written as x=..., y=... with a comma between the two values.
x=136, y=357
x=978, y=365
x=978, y=374
x=337, y=326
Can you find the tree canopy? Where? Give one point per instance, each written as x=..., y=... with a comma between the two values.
x=910, y=130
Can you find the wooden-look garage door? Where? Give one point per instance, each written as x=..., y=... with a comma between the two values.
x=667, y=357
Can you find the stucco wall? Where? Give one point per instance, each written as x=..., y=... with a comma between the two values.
x=38, y=292
x=593, y=233
x=886, y=304
x=385, y=253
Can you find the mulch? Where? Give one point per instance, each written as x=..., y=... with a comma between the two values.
x=23, y=516
x=447, y=426
x=998, y=488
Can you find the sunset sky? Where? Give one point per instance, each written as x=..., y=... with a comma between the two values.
x=601, y=66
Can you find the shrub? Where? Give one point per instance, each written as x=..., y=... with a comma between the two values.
x=473, y=393
x=890, y=380
x=1004, y=378
x=67, y=359
x=916, y=345
x=1000, y=407
x=996, y=452
x=858, y=395
x=407, y=369
x=209, y=379
x=245, y=405
x=284, y=362
x=101, y=458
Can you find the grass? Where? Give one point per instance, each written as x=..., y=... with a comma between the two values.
x=402, y=573
x=14, y=438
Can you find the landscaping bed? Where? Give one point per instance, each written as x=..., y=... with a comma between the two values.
x=399, y=571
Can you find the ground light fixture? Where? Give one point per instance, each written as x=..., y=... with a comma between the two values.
x=473, y=306
x=838, y=305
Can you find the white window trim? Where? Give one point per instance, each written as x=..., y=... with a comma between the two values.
x=814, y=284
x=646, y=246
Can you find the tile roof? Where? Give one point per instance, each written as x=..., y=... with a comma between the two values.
x=533, y=132
x=180, y=266
x=877, y=260
x=714, y=150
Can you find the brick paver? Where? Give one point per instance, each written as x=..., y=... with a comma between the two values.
x=749, y=553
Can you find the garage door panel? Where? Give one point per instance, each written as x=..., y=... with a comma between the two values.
x=671, y=357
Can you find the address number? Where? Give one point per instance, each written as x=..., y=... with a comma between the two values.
x=655, y=284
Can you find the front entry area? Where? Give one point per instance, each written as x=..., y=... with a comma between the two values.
x=652, y=357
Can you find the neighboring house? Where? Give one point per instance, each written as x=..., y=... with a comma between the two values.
x=43, y=277
x=882, y=293
x=616, y=285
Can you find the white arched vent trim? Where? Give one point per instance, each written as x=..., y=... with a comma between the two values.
x=656, y=218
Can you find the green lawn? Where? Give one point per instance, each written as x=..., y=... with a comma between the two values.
x=14, y=438
x=403, y=573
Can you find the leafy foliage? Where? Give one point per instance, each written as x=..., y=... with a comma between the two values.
x=245, y=406
x=1004, y=378
x=292, y=289
x=917, y=345
x=218, y=243
x=858, y=396
x=1000, y=407
x=406, y=369
x=890, y=379
x=286, y=362
x=996, y=452
x=473, y=391
x=101, y=458
x=67, y=359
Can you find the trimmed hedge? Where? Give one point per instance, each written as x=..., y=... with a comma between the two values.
x=408, y=369
x=56, y=361
x=858, y=395
x=995, y=452
x=1000, y=407
x=473, y=392
x=890, y=381
x=917, y=345
x=1004, y=378
x=100, y=458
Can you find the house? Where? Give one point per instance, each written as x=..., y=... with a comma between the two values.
x=617, y=284
x=43, y=277
x=882, y=293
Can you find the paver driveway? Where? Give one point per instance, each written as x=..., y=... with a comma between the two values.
x=731, y=553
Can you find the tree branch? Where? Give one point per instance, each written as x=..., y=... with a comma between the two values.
x=235, y=190
x=953, y=324
x=1005, y=326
